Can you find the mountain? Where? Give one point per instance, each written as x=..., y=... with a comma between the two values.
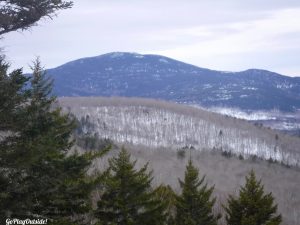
x=159, y=77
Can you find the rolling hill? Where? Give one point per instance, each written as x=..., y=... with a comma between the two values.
x=156, y=124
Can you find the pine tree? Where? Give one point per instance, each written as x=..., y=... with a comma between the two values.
x=41, y=180
x=21, y=15
x=13, y=98
x=37, y=179
x=167, y=196
x=253, y=206
x=195, y=206
x=128, y=198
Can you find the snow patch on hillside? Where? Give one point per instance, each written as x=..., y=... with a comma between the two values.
x=237, y=113
x=139, y=125
x=163, y=60
x=116, y=55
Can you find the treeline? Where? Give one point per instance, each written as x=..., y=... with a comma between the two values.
x=40, y=179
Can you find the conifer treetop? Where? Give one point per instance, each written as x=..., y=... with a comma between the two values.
x=252, y=206
x=195, y=204
x=128, y=197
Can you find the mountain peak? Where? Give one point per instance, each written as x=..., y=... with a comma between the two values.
x=155, y=76
x=121, y=54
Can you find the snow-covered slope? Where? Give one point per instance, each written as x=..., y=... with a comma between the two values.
x=286, y=122
x=161, y=124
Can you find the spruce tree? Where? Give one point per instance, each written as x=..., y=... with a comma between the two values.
x=37, y=178
x=167, y=196
x=195, y=204
x=41, y=180
x=252, y=206
x=21, y=14
x=127, y=197
x=13, y=99
x=12, y=94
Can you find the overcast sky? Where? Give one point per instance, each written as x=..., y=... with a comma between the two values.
x=230, y=35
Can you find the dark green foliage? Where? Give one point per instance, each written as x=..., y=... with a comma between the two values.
x=195, y=205
x=89, y=142
x=12, y=96
x=253, y=206
x=38, y=178
x=166, y=195
x=127, y=196
x=21, y=15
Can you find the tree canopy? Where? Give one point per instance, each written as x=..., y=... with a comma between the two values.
x=128, y=198
x=252, y=206
x=195, y=204
x=38, y=178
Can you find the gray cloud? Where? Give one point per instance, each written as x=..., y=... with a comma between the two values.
x=200, y=32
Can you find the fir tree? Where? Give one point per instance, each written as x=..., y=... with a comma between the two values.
x=167, y=196
x=253, y=206
x=13, y=98
x=21, y=15
x=128, y=198
x=195, y=206
x=35, y=173
x=41, y=180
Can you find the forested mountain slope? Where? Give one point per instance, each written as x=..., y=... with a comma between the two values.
x=155, y=124
x=159, y=77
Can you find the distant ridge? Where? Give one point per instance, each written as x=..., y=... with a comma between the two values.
x=153, y=76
